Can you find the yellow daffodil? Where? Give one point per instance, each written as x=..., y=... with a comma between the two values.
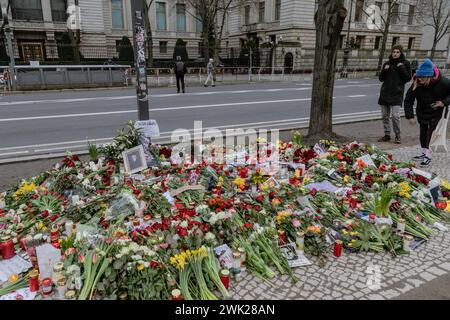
x=140, y=267
x=24, y=189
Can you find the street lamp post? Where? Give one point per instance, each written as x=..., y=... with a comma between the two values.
x=137, y=10
x=344, y=73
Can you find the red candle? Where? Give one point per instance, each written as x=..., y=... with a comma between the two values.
x=337, y=248
x=7, y=248
x=34, y=281
x=225, y=278
x=353, y=202
x=47, y=286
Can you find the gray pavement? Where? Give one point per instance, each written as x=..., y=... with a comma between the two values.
x=43, y=122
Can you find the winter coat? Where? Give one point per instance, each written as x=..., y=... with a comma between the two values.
x=438, y=90
x=210, y=67
x=180, y=68
x=394, y=80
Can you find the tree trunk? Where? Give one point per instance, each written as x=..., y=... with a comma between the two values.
x=75, y=47
x=329, y=21
x=382, y=51
x=433, y=48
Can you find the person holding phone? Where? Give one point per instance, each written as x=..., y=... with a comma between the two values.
x=431, y=90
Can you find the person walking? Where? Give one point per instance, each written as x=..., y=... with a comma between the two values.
x=431, y=90
x=180, y=71
x=210, y=69
x=394, y=75
x=4, y=79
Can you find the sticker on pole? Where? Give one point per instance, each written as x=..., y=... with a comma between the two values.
x=149, y=128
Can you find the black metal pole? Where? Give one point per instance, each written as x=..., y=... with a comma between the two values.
x=137, y=11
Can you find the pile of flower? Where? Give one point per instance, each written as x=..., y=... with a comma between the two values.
x=127, y=237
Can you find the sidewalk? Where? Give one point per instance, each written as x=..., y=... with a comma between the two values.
x=423, y=274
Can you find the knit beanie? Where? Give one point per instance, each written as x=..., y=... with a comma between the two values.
x=426, y=69
x=397, y=47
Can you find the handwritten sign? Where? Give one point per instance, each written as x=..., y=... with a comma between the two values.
x=15, y=265
x=47, y=256
x=149, y=128
x=25, y=294
x=367, y=159
x=295, y=258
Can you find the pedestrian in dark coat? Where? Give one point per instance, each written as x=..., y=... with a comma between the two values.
x=180, y=71
x=431, y=90
x=395, y=74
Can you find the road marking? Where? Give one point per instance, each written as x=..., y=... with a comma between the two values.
x=357, y=96
x=12, y=153
x=89, y=99
x=234, y=104
x=59, y=148
x=167, y=134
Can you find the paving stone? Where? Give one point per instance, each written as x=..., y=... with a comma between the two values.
x=427, y=276
x=445, y=266
x=437, y=271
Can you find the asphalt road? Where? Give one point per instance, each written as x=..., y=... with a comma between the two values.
x=51, y=122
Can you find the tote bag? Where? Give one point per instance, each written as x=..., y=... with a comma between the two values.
x=439, y=137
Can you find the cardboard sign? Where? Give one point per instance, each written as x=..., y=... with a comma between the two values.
x=271, y=183
x=15, y=265
x=224, y=255
x=47, y=256
x=25, y=294
x=434, y=190
x=149, y=128
x=367, y=159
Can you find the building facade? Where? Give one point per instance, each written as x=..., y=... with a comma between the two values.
x=39, y=25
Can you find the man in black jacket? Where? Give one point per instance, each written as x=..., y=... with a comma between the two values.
x=395, y=74
x=180, y=71
x=432, y=92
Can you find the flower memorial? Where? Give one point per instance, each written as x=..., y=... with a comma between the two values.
x=155, y=235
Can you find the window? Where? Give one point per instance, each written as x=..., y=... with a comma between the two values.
x=377, y=43
x=277, y=10
x=359, y=42
x=117, y=14
x=201, y=53
x=247, y=15
x=161, y=16
x=412, y=10
x=163, y=47
x=181, y=17
x=395, y=14
x=395, y=40
x=58, y=10
x=198, y=24
x=411, y=43
x=262, y=10
x=359, y=10
x=26, y=10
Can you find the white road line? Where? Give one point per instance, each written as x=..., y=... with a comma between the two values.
x=59, y=148
x=357, y=96
x=12, y=153
x=88, y=99
x=55, y=144
x=234, y=104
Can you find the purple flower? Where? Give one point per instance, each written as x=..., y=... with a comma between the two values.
x=296, y=223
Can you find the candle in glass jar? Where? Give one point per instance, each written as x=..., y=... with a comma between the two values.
x=47, y=286
x=176, y=295
x=236, y=264
x=34, y=281
x=407, y=240
x=61, y=287
x=225, y=278
x=68, y=228
x=337, y=252
x=7, y=248
x=243, y=258
x=70, y=295
x=57, y=271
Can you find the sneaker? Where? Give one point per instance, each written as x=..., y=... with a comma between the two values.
x=398, y=140
x=386, y=138
x=419, y=158
x=213, y=85
x=425, y=162
x=205, y=86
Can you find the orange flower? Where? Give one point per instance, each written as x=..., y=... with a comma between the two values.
x=339, y=155
x=313, y=229
x=361, y=164
x=276, y=202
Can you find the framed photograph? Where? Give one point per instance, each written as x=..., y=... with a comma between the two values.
x=134, y=160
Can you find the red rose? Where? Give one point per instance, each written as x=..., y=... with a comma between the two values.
x=44, y=214
x=313, y=192
x=182, y=232
x=54, y=217
x=248, y=225
x=259, y=198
